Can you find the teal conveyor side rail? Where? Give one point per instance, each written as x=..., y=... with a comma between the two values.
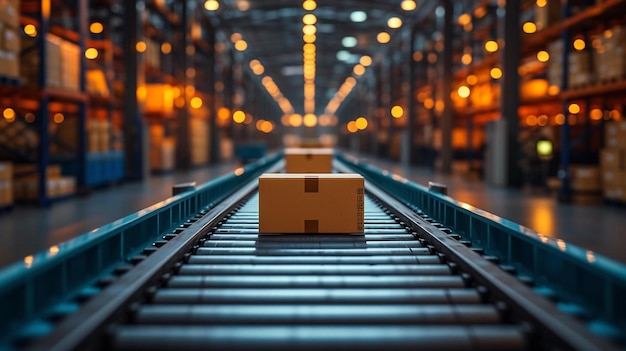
x=584, y=283
x=47, y=280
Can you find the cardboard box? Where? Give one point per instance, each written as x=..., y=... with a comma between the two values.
x=9, y=13
x=6, y=193
x=615, y=134
x=10, y=40
x=9, y=65
x=585, y=178
x=312, y=203
x=613, y=178
x=612, y=159
x=301, y=160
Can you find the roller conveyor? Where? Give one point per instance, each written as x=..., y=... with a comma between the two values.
x=214, y=282
x=301, y=285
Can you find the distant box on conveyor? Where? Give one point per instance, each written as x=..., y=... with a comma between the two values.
x=306, y=160
x=311, y=203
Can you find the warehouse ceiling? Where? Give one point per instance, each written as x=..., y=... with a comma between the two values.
x=273, y=32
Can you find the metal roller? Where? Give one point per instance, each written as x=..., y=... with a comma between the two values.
x=312, y=244
x=328, y=338
x=303, y=238
x=292, y=314
x=312, y=269
x=250, y=259
x=312, y=281
x=357, y=251
x=316, y=295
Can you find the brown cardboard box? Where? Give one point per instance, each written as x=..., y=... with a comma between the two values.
x=6, y=193
x=615, y=134
x=9, y=65
x=312, y=203
x=612, y=159
x=585, y=178
x=10, y=40
x=9, y=14
x=6, y=171
x=301, y=160
x=613, y=178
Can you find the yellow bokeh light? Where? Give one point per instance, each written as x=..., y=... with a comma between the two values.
x=309, y=29
x=397, y=111
x=223, y=113
x=309, y=38
x=495, y=73
x=141, y=46
x=309, y=18
x=418, y=56
x=541, y=3
x=96, y=28
x=394, y=22
x=471, y=79
x=212, y=5
x=542, y=120
x=559, y=119
x=361, y=123
x=241, y=45
x=309, y=5
x=554, y=89
x=579, y=44
x=529, y=27
x=596, y=114
x=543, y=56
x=309, y=120
x=365, y=61
x=531, y=120
x=463, y=91
x=91, y=53
x=573, y=108
x=243, y=5
x=9, y=114
x=383, y=37
x=196, y=102
x=352, y=128
x=58, y=118
x=466, y=59
x=429, y=103
x=235, y=36
x=465, y=19
x=30, y=30
x=166, y=48
x=491, y=46
x=408, y=5
x=295, y=120
x=359, y=70
x=239, y=116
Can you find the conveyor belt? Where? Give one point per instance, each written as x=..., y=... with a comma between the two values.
x=242, y=290
x=407, y=283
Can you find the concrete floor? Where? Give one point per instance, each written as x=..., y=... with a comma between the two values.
x=29, y=229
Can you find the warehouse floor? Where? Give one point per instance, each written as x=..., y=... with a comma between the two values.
x=29, y=229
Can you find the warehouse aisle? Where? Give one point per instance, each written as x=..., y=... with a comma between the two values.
x=29, y=229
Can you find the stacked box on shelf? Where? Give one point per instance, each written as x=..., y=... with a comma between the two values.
x=62, y=63
x=613, y=161
x=6, y=184
x=70, y=65
x=555, y=64
x=199, y=141
x=9, y=39
x=27, y=188
x=547, y=15
x=162, y=150
x=580, y=70
x=586, y=184
x=609, y=54
x=153, y=53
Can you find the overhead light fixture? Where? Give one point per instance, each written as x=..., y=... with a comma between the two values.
x=408, y=5
x=394, y=22
x=349, y=42
x=383, y=37
x=309, y=18
x=358, y=16
x=212, y=5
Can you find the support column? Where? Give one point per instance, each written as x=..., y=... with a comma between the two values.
x=447, y=115
x=183, y=152
x=137, y=166
x=44, y=119
x=510, y=59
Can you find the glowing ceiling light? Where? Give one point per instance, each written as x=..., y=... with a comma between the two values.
x=241, y=45
x=352, y=128
x=358, y=16
x=366, y=61
x=408, y=5
x=309, y=120
x=309, y=29
x=543, y=56
x=579, y=44
x=91, y=53
x=309, y=18
x=394, y=22
x=491, y=46
x=309, y=5
x=141, y=46
x=361, y=123
x=495, y=73
x=397, y=111
x=359, y=70
x=383, y=37
x=243, y=5
x=30, y=30
x=463, y=91
x=212, y=5
x=166, y=48
x=96, y=28
x=239, y=116
x=529, y=27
